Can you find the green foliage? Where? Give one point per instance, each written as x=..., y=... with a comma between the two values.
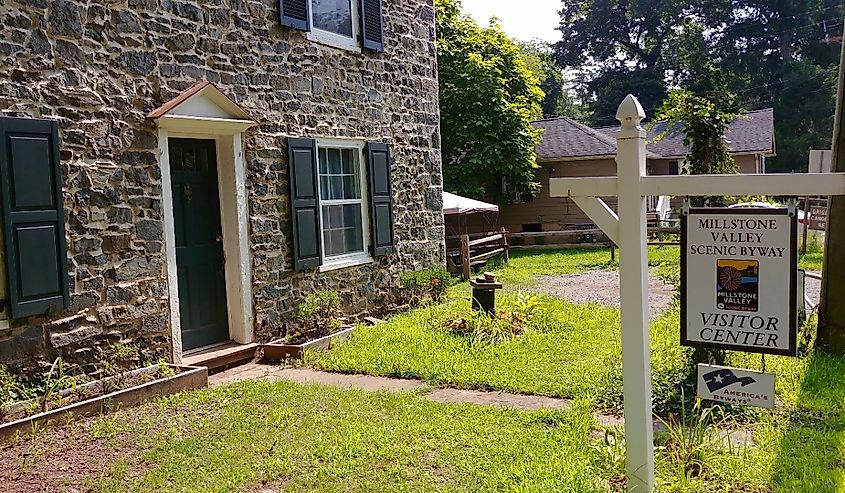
x=9, y=387
x=319, y=314
x=431, y=283
x=164, y=370
x=262, y=435
x=562, y=356
x=518, y=315
x=690, y=444
x=10, y=390
x=770, y=54
x=115, y=360
x=55, y=381
x=118, y=358
x=704, y=126
x=539, y=59
x=488, y=98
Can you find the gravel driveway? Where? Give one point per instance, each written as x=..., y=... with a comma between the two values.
x=602, y=287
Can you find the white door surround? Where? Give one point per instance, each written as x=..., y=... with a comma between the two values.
x=203, y=112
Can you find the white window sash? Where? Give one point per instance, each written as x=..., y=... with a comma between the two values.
x=335, y=39
x=364, y=254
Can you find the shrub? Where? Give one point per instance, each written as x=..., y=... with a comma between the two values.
x=115, y=360
x=319, y=314
x=10, y=390
x=525, y=312
x=421, y=285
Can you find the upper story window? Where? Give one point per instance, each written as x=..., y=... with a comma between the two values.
x=334, y=16
x=335, y=22
x=347, y=24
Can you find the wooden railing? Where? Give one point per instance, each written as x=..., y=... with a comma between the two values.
x=478, y=251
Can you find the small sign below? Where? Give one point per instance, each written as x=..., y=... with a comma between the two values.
x=739, y=270
x=736, y=386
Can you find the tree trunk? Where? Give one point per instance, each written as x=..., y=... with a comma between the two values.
x=831, y=335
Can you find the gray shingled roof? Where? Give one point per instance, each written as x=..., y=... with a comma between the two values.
x=565, y=138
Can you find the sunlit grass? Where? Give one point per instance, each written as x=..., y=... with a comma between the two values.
x=261, y=436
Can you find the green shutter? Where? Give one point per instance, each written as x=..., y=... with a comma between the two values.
x=295, y=14
x=305, y=203
x=372, y=24
x=33, y=216
x=381, y=198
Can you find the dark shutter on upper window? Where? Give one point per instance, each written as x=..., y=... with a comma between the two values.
x=296, y=14
x=372, y=24
x=381, y=198
x=33, y=216
x=305, y=203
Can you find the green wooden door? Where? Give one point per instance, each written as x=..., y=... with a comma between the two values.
x=199, y=242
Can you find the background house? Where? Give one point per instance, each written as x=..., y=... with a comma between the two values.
x=179, y=174
x=571, y=149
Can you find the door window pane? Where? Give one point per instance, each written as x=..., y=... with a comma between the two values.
x=334, y=16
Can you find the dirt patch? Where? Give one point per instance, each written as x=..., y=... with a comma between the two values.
x=59, y=459
x=602, y=287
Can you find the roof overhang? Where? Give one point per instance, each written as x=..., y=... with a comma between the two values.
x=206, y=109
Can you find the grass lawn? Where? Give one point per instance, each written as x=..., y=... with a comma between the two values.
x=799, y=447
x=577, y=354
x=261, y=436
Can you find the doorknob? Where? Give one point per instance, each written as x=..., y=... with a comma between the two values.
x=187, y=192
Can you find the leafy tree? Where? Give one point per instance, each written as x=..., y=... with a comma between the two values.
x=488, y=98
x=626, y=40
x=768, y=53
x=704, y=126
x=539, y=59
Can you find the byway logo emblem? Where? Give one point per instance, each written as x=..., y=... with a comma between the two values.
x=723, y=377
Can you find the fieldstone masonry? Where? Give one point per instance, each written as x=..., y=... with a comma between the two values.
x=100, y=66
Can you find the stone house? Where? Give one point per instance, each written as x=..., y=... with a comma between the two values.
x=180, y=173
x=571, y=149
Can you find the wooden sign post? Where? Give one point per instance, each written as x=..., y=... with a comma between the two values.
x=628, y=230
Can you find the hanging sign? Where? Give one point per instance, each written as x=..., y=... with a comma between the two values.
x=818, y=218
x=739, y=272
x=736, y=386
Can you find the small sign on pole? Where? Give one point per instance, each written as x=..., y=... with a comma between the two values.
x=818, y=218
x=736, y=386
x=739, y=271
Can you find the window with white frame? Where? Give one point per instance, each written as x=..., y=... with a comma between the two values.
x=335, y=22
x=345, y=24
x=343, y=207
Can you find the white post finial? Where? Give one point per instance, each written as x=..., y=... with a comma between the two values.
x=630, y=112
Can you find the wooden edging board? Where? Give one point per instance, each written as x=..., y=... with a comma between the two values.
x=188, y=378
x=276, y=351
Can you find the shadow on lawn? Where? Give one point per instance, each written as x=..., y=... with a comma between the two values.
x=811, y=453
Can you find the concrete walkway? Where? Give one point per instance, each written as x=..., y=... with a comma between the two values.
x=731, y=439
x=369, y=383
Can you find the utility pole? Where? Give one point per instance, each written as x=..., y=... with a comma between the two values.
x=831, y=334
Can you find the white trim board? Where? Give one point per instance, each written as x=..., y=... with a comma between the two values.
x=234, y=215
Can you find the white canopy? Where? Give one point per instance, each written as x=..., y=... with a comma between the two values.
x=455, y=204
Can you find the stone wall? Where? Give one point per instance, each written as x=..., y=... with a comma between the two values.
x=100, y=66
